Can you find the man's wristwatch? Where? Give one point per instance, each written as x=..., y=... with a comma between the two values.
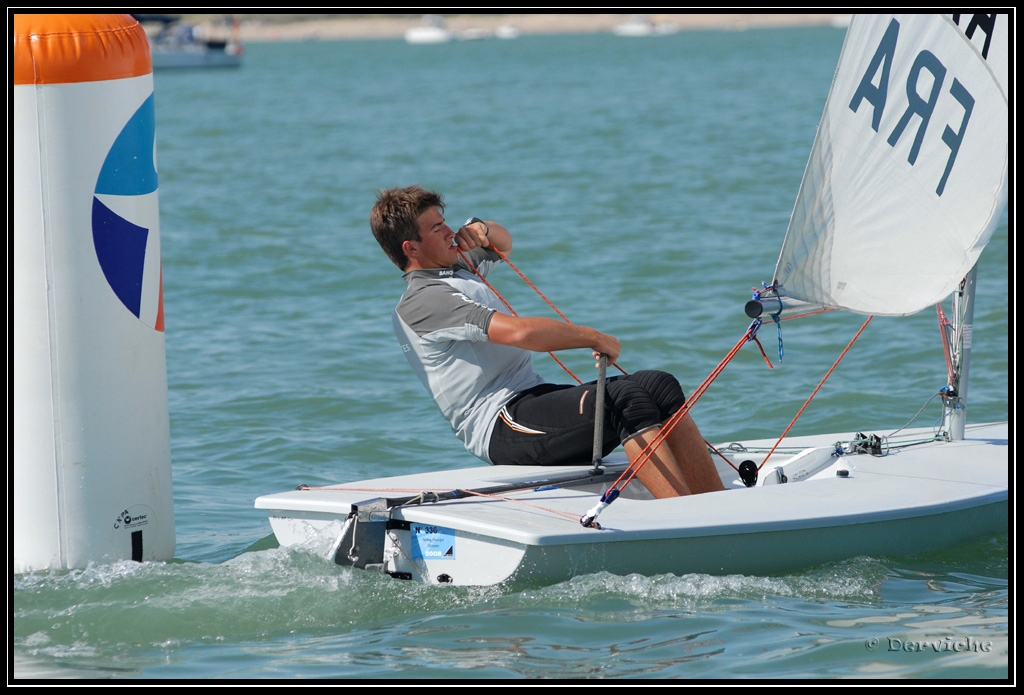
x=471, y=220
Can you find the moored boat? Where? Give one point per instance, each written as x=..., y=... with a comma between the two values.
x=175, y=44
x=432, y=30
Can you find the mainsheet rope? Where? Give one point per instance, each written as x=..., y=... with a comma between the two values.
x=589, y=519
x=491, y=287
x=612, y=493
x=512, y=265
x=509, y=306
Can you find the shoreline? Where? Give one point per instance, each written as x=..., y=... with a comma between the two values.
x=254, y=28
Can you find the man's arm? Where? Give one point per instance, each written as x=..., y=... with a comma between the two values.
x=538, y=334
x=542, y=334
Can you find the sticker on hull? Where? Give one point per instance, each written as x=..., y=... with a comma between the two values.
x=432, y=542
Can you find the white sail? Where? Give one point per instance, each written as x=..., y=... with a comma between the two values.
x=908, y=173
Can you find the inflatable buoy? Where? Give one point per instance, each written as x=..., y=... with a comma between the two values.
x=92, y=461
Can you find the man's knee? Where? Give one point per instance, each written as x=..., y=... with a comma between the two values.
x=664, y=390
x=631, y=408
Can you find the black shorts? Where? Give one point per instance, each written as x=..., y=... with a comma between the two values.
x=553, y=424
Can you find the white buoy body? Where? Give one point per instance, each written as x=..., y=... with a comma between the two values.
x=92, y=462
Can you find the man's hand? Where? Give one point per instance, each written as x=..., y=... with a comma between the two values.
x=473, y=234
x=486, y=233
x=608, y=346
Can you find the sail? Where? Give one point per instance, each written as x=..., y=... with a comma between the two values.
x=907, y=176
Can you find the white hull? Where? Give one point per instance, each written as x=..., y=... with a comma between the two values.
x=640, y=29
x=428, y=35
x=913, y=500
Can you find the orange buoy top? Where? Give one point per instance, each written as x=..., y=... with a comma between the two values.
x=67, y=48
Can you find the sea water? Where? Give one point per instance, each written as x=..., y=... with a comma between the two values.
x=648, y=184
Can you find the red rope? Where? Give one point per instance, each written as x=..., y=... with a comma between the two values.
x=541, y=294
x=512, y=265
x=822, y=310
x=648, y=451
x=721, y=455
x=509, y=306
x=765, y=356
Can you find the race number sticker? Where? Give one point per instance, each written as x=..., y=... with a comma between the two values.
x=432, y=542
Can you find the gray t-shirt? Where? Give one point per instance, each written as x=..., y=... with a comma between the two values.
x=441, y=323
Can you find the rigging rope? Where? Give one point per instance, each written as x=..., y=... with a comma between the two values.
x=512, y=265
x=945, y=328
x=589, y=519
x=491, y=287
x=816, y=389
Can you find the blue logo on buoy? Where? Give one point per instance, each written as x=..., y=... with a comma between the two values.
x=126, y=218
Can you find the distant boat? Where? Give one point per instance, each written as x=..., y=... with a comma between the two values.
x=506, y=31
x=432, y=30
x=641, y=25
x=474, y=34
x=174, y=44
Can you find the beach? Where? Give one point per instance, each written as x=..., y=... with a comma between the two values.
x=321, y=27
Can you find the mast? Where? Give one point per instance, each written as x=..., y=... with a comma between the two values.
x=958, y=338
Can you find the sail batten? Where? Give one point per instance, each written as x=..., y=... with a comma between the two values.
x=908, y=172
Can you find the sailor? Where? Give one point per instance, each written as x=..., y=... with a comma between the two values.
x=475, y=359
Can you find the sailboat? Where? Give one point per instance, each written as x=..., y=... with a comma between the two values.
x=905, y=183
x=432, y=30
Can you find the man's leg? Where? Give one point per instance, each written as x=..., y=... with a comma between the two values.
x=660, y=473
x=681, y=465
x=691, y=453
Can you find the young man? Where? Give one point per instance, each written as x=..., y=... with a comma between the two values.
x=475, y=359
